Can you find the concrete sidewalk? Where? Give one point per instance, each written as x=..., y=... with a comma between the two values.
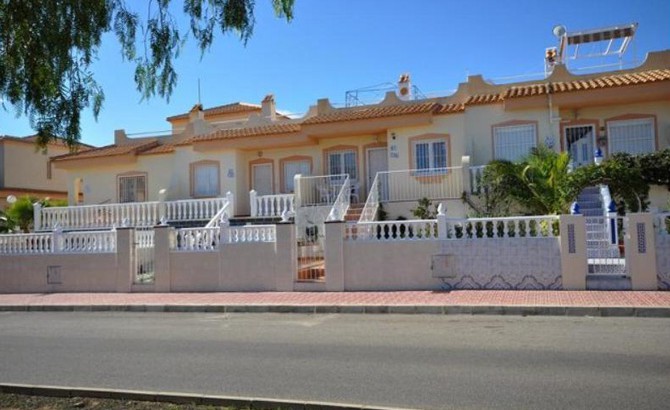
x=579, y=303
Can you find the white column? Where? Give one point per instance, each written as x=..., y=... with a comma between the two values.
x=231, y=203
x=37, y=216
x=252, y=203
x=441, y=222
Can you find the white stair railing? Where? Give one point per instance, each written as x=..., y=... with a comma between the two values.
x=270, y=206
x=342, y=202
x=223, y=214
x=369, y=212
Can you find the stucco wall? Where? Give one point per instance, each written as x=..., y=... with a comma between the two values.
x=663, y=261
x=25, y=166
x=389, y=265
x=496, y=263
x=79, y=273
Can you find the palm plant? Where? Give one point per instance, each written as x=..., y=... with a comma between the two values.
x=539, y=184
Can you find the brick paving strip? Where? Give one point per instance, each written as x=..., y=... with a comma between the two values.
x=581, y=303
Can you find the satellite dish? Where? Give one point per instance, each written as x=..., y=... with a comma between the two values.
x=559, y=30
x=11, y=199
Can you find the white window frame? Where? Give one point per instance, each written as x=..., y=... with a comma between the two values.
x=612, y=144
x=213, y=188
x=137, y=193
x=516, y=131
x=432, y=154
x=342, y=161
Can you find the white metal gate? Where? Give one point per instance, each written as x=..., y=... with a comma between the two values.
x=144, y=256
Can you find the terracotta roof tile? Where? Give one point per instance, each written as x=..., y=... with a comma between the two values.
x=108, y=151
x=159, y=149
x=221, y=109
x=450, y=108
x=484, y=99
x=271, y=129
x=607, y=81
x=368, y=112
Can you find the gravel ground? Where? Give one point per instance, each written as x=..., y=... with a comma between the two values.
x=21, y=402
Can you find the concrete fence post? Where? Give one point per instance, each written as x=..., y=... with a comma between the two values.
x=574, y=264
x=57, y=240
x=640, y=248
x=224, y=231
x=297, y=190
x=441, y=222
x=125, y=263
x=465, y=164
x=334, y=255
x=286, y=266
x=231, y=203
x=253, y=205
x=37, y=216
x=162, y=211
x=162, y=273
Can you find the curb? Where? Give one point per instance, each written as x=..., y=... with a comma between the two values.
x=180, y=398
x=507, y=310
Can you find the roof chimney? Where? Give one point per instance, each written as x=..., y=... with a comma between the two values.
x=268, y=108
x=404, y=87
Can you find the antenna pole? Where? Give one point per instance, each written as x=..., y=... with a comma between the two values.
x=199, y=102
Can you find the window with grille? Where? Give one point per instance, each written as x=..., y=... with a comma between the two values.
x=514, y=142
x=343, y=162
x=133, y=188
x=430, y=154
x=631, y=136
x=205, y=179
x=293, y=168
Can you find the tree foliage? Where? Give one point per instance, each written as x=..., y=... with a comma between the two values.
x=542, y=183
x=47, y=48
x=537, y=185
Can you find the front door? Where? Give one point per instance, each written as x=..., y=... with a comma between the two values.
x=377, y=161
x=262, y=179
x=580, y=142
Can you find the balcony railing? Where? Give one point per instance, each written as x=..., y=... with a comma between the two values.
x=138, y=214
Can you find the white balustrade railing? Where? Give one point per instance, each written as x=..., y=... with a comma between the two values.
x=126, y=214
x=662, y=223
x=506, y=227
x=86, y=242
x=196, y=239
x=320, y=190
x=248, y=233
x=194, y=209
x=476, y=179
x=26, y=243
x=342, y=202
x=271, y=205
x=369, y=212
x=58, y=242
x=406, y=230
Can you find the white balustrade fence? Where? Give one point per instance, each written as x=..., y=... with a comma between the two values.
x=248, y=233
x=126, y=214
x=58, y=242
x=271, y=205
x=407, y=230
x=196, y=239
x=507, y=227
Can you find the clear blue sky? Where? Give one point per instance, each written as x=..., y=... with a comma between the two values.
x=334, y=46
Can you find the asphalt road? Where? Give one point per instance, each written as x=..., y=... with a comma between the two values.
x=424, y=361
